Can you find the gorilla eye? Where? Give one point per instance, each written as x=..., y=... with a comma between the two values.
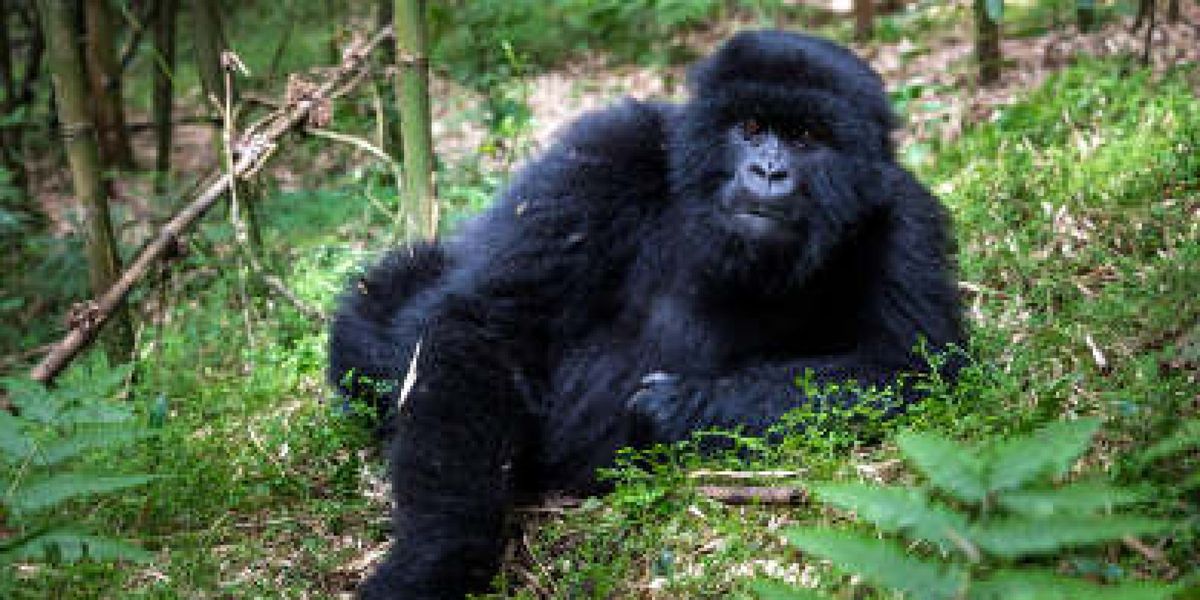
x=751, y=128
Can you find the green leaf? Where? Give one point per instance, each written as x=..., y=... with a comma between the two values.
x=766, y=589
x=881, y=562
x=897, y=510
x=1049, y=451
x=1017, y=537
x=994, y=10
x=37, y=494
x=1033, y=584
x=948, y=465
x=70, y=546
x=1084, y=497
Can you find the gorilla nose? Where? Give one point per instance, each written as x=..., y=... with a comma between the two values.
x=768, y=179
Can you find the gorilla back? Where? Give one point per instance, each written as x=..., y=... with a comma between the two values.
x=660, y=269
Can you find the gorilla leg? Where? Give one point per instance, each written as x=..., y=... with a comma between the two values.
x=454, y=465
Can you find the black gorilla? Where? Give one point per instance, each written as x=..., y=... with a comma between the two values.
x=661, y=269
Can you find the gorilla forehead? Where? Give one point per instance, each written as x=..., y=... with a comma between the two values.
x=790, y=61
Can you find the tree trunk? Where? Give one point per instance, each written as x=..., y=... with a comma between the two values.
x=412, y=60
x=864, y=19
x=208, y=35
x=164, y=48
x=210, y=42
x=987, y=44
x=1173, y=12
x=10, y=135
x=104, y=77
x=72, y=98
x=392, y=141
x=1085, y=15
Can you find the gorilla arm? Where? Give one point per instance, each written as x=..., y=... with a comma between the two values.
x=912, y=300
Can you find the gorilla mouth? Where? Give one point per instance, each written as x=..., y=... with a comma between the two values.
x=764, y=222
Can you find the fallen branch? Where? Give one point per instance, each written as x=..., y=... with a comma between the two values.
x=733, y=495
x=738, y=495
x=251, y=152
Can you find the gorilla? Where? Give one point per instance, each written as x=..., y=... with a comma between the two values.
x=662, y=268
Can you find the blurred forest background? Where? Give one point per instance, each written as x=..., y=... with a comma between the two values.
x=185, y=186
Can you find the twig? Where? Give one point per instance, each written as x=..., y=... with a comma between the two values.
x=250, y=153
x=738, y=495
x=703, y=473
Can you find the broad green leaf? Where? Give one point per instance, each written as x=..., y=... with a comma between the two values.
x=1012, y=538
x=37, y=494
x=1032, y=584
x=70, y=546
x=995, y=10
x=881, y=562
x=897, y=509
x=1050, y=450
x=766, y=589
x=949, y=466
x=1083, y=497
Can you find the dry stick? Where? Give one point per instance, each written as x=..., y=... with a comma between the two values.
x=736, y=495
x=252, y=154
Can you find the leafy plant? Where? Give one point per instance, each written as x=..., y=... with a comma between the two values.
x=981, y=512
x=44, y=443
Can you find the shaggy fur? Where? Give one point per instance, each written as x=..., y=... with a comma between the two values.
x=606, y=300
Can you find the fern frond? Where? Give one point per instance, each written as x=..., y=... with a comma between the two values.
x=948, y=467
x=773, y=590
x=1033, y=584
x=65, y=449
x=39, y=493
x=897, y=510
x=1050, y=451
x=1017, y=537
x=1086, y=497
x=68, y=545
x=881, y=562
x=1185, y=438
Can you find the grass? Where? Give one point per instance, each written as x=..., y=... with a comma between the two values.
x=1076, y=213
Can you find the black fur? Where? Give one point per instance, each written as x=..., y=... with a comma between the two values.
x=606, y=300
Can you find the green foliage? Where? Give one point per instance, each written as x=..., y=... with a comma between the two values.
x=45, y=446
x=994, y=509
x=471, y=38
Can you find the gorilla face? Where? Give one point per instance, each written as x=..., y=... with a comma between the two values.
x=767, y=197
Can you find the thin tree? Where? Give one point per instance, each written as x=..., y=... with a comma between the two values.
x=412, y=61
x=988, y=14
x=864, y=19
x=392, y=137
x=164, y=50
x=208, y=39
x=104, y=77
x=73, y=99
x=210, y=43
x=10, y=134
x=1085, y=15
